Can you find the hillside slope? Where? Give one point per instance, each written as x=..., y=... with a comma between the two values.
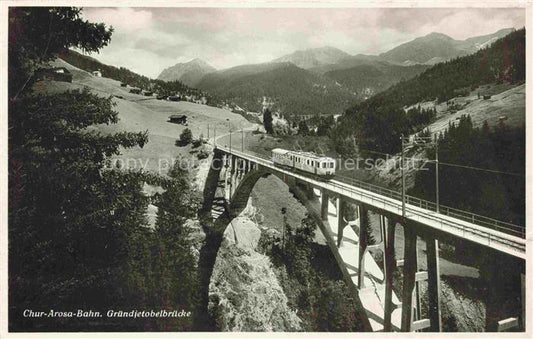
x=366, y=80
x=139, y=113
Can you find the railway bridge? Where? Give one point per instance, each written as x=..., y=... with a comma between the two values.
x=372, y=288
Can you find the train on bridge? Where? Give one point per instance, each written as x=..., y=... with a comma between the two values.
x=305, y=161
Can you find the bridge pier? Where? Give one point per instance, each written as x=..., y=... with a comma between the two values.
x=411, y=303
x=341, y=220
x=227, y=179
x=409, y=274
x=434, y=291
x=232, y=160
x=389, y=264
x=324, y=204
x=363, y=243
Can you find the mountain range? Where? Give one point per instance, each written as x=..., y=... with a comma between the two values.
x=317, y=71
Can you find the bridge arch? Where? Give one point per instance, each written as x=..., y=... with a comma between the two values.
x=244, y=179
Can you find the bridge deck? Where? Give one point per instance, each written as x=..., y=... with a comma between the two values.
x=500, y=241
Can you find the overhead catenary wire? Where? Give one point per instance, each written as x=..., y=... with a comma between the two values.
x=448, y=164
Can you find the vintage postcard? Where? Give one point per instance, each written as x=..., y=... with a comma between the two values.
x=261, y=167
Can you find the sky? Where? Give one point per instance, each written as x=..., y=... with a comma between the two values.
x=147, y=40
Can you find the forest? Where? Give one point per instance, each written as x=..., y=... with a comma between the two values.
x=501, y=148
x=292, y=90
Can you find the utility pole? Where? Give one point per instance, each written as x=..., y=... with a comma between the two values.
x=424, y=142
x=207, y=131
x=284, y=212
x=437, y=173
x=215, y=135
x=403, y=180
x=229, y=126
x=242, y=142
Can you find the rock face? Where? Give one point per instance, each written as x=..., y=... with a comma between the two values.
x=196, y=238
x=244, y=293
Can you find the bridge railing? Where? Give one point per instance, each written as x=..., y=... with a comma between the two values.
x=476, y=219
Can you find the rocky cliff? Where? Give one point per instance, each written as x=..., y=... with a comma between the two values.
x=244, y=293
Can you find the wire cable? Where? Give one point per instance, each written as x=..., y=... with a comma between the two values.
x=447, y=164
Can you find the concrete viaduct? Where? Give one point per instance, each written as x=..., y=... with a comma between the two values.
x=372, y=289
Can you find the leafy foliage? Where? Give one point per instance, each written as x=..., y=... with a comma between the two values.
x=38, y=34
x=78, y=235
x=75, y=228
x=312, y=284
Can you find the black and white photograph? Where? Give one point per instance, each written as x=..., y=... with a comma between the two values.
x=257, y=167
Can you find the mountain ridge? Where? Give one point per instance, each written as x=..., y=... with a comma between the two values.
x=190, y=73
x=437, y=47
x=314, y=57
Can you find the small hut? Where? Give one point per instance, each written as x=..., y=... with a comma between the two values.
x=57, y=74
x=178, y=119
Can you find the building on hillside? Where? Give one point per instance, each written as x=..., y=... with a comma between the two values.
x=97, y=73
x=178, y=119
x=57, y=74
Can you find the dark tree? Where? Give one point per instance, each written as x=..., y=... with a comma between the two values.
x=267, y=121
x=186, y=137
x=303, y=129
x=78, y=234
x=84, y=224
